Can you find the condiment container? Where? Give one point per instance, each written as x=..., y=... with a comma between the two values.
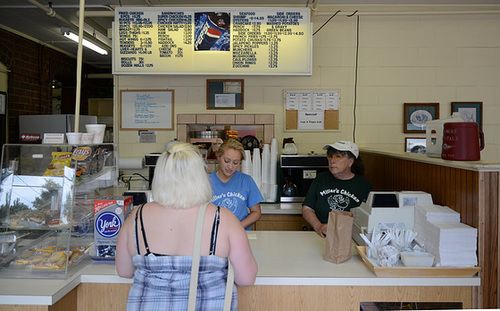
x=417, y=259
x=462, y=141
x=434, y=134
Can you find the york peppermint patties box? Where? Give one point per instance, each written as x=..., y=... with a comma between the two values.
x=109, y=214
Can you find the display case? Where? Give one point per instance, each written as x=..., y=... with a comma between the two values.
x=47, y=194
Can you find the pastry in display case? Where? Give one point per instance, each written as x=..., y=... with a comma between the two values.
x=47, y=197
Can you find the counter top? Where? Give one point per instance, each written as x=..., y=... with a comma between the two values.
x=283, y=257
x=481, y=166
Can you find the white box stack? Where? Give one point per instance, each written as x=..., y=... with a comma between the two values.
x=454, y=244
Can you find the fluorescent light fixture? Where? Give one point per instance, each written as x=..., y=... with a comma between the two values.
x=85, y=43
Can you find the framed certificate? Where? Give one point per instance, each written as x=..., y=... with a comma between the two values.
x=225, y=94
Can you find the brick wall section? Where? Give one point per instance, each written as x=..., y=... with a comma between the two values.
x=32, y=67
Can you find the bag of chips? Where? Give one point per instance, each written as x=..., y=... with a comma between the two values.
x=59, y=161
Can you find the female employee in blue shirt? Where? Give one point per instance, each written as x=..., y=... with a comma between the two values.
x=232, y=189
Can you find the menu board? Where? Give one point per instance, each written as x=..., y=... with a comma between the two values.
x=252, y=41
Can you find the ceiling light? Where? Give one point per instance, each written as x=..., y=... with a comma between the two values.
x=85, y=43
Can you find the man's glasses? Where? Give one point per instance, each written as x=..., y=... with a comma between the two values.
x=335, y=156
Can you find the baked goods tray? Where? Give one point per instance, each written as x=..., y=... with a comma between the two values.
x=417, y=272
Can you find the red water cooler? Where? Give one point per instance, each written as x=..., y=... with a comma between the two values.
x=462, y=141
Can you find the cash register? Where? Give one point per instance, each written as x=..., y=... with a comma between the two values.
x=385, y=209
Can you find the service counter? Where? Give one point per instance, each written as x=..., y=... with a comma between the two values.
x=292, y=276
x=471, y=188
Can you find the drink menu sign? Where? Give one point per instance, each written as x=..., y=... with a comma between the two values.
x=254, y=41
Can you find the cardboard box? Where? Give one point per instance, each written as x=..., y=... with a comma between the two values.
x=109, y=214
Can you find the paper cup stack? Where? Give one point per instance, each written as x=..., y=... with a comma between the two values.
x=246, y=165
x=263, y=169
x=87, y=138
x=74, y=138
x=98, y=131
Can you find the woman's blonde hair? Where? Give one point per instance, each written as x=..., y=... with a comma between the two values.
x=180, y=178
x=231, y=143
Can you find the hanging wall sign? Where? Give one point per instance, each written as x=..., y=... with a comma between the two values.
x=253, y=41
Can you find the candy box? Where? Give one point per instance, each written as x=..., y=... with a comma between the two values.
x=109, y=214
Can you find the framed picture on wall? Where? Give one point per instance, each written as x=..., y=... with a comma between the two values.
x=416, y=115
x=225, y=94
x=470, y=111
x=415, y=144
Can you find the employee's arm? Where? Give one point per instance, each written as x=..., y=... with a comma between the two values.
x=253, y=217
x=310, y=216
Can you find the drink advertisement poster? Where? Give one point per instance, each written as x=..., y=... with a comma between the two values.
x=253, y=41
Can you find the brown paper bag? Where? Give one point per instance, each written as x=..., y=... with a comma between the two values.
x=339, y=236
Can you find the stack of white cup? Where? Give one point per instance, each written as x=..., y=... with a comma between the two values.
x=74, y=138
x=98, y=131
x=246, y=165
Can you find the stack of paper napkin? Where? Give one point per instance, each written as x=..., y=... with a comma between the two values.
x=453, y=244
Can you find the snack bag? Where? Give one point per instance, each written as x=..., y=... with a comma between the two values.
x=59, y=161
x=83, y=156
x=339, y=236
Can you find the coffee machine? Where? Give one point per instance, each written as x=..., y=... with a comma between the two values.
x=297, y=173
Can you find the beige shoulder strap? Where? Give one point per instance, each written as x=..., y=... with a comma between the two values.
x=229, y=287
x=195, y=267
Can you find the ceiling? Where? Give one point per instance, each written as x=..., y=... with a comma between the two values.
x=31, y=19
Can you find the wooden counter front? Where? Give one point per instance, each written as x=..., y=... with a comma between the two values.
x=296, y=297
x=468, y=187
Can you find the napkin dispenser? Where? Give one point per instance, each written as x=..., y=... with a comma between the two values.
x=388, y=208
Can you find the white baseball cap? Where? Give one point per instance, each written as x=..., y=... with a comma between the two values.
x=343, y=145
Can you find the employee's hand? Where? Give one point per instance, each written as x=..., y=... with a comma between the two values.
x=321, y=230
x=310, y=216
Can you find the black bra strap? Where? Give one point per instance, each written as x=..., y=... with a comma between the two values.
x=213, y=240
x=136, y=234
x=142, y=230
x=215, y=230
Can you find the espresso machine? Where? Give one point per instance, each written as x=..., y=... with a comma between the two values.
x=297, y=173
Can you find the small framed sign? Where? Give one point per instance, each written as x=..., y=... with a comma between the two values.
x=470, y=111
x=225, y=94
x=415, y=144
x=416, y=115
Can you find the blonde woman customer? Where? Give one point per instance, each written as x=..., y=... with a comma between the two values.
x=155, y=244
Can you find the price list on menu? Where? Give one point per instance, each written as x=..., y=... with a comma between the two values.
x=212, y=41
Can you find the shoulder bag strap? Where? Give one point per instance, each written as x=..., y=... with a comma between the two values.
x=195, y=266
x=229, y=287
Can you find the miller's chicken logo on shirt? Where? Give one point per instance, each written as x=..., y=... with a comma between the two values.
x=338, y=202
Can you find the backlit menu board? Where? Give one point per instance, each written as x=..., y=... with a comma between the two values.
x=253, y=41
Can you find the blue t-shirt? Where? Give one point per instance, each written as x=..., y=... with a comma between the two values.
x=237, y=195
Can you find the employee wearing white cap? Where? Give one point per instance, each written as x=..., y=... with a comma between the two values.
x=340, y=188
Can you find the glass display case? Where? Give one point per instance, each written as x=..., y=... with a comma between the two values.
x=47, y=195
